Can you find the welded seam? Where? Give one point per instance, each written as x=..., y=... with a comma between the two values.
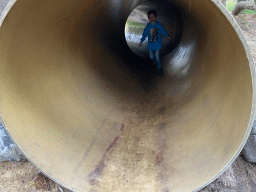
x=90, y=147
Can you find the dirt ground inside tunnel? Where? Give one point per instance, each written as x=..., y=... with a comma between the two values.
x=239, y=177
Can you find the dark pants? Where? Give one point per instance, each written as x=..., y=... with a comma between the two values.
x=154, y=55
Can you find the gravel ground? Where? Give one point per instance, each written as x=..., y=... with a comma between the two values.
x=239, y=177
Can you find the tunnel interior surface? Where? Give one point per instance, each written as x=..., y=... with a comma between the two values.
x=93, y=115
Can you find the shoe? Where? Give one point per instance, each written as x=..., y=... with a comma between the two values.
x=160, y=71
x=154, y=63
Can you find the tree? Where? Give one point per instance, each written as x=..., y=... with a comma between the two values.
x=243, y=4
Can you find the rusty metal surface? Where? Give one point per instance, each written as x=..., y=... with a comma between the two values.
x=93, y=116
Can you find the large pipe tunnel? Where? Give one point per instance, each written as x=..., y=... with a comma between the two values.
x=85, y=105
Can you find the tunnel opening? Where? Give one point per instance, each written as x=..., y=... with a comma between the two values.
x=110, y=35
x=171, y=19
x=72, y=102
x=168, y=15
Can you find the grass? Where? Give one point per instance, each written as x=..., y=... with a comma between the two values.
x=135, y=24
x=231, y=4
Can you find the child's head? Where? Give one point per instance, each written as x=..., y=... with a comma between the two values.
x=152, y=12
x=152, y=16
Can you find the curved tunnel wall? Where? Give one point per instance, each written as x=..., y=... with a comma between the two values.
x=85, y=109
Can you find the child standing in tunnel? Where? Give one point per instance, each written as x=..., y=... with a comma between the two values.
x=153, y=31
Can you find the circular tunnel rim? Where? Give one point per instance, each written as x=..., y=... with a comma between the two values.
x=241, y=36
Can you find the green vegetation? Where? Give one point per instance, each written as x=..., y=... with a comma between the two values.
x=135, y=24
x=231, y=4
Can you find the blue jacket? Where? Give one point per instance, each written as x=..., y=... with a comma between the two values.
x=153, y=32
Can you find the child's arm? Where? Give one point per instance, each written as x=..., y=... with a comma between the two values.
x=144, y=35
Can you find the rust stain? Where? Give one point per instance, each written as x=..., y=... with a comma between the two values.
x=95, y=174
x=161, y=143
x=122, y=128
x=92, y=143
x=159, y=157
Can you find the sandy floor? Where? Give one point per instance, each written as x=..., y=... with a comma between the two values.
x=240, y=177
